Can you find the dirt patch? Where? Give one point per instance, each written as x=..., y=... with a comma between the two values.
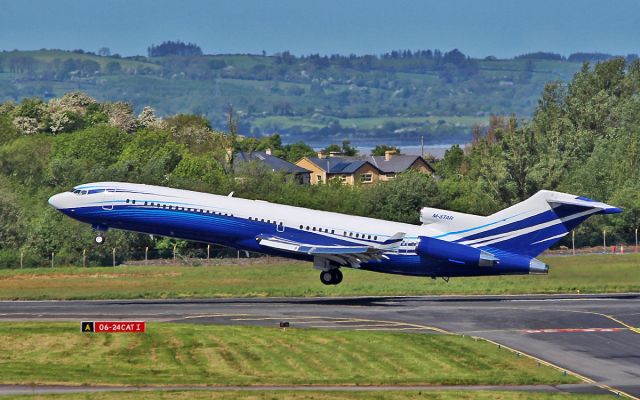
x=115, y=275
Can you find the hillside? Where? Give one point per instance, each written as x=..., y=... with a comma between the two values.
x=397, y=97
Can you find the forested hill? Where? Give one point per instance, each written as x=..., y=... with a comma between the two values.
x=395, y=97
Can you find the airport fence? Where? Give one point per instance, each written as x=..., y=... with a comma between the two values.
x=106, y=256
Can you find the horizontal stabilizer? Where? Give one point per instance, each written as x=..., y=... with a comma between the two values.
x=587, y=203
x=393, y=242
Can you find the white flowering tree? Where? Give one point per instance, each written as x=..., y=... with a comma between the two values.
x=27, y=125
x=147, y=119
x=121, y=116
x=76, y=102
x=59, y=121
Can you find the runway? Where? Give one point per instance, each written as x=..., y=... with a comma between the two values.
x=594, y=336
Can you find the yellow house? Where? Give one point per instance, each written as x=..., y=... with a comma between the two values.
x=367, y=169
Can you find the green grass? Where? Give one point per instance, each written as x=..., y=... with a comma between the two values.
x=271, y=395
x=192, y=354
x=585, y=274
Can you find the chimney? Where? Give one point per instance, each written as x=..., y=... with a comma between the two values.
x=268, y=151
x=321, y=155
x=388, y=154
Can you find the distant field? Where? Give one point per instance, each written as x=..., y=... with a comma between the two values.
x=569, y=274
x=194, y=354
x=271, y=395
x=271, y=96
x=50, y=55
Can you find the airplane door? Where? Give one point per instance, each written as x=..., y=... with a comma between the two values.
x=280, y=226
x=108, y=198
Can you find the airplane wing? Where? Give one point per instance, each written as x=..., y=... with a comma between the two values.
x=352, y=255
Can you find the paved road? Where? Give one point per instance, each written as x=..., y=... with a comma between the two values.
x=55, y=389
x=594, y=336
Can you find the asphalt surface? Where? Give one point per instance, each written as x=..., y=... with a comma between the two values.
x=54, y=389
x=593, y=336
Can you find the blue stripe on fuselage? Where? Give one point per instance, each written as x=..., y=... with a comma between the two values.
x=546, y=216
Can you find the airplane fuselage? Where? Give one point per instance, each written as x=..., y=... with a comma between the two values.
x=237, y=222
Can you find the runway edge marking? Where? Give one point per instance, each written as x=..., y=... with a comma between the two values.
x=609, y=317
x=568, y=371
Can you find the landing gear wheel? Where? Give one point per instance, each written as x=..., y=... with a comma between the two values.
x=337, y=276
x=99, y=239
x=331, y=277
x=326, y=277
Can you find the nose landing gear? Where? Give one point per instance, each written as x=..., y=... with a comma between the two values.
x=99, y=230
x=331, y=277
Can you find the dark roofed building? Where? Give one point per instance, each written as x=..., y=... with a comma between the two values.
x=273, y=163
x=365, y=169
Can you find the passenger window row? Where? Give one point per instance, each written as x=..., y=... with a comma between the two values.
x=266, y=221
x=344, y=233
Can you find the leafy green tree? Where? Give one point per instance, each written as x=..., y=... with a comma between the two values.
x=402, y=198
x=150, y=157
x=346, y=149
x=380, y=150
x=12, y=229
x=86, y=155
x=295, y=151
x=452, y=162
x=8, y=131
x=182, y=122
x=24, y=160
x=201, y=173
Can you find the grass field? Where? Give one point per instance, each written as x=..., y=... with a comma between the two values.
x=585, y=274
x=183, y=395
x=193, y=354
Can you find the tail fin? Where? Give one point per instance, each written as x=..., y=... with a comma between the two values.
x=527, y=228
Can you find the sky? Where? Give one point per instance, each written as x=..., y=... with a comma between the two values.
x=500, y=28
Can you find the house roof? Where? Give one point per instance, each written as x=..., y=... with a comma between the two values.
x=348, y=165
x=339, y=165
x=273, y=162
x=397, y=163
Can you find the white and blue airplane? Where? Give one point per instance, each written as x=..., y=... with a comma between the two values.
x=447, y=244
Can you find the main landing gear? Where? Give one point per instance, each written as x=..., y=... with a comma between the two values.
x=331, y=277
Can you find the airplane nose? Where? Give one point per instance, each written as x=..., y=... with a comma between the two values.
x=57, y=200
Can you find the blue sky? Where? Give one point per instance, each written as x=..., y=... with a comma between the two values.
x=479, y=28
